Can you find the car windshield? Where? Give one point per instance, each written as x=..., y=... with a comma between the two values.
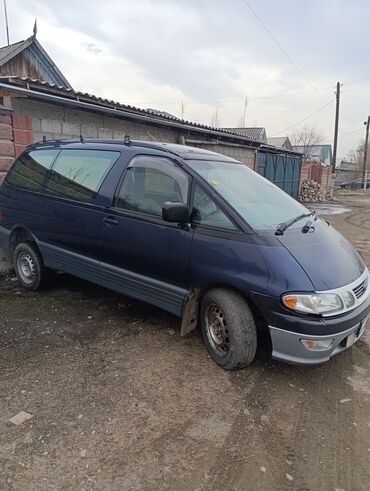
x=263, y=205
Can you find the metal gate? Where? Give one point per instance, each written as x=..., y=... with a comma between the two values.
x=282, y=169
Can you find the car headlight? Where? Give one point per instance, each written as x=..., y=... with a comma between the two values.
x=314, y=303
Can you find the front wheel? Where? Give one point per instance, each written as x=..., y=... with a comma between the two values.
x=29, y=266
x=228, y=328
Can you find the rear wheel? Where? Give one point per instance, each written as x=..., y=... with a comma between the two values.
x=228, y=328
x=29, y=266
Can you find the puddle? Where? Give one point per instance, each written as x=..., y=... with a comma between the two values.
x=329, y=209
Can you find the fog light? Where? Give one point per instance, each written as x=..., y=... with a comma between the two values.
x=317, y=345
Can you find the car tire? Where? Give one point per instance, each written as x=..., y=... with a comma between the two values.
x=29, y=267
x=228, y=328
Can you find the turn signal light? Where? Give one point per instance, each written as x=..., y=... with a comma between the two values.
x=290, y=302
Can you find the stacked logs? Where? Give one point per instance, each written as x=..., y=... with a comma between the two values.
x=312, y=192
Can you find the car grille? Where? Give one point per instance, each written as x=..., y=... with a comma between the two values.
x=361, y=288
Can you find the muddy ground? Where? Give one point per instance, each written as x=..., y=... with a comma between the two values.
x=121, y=402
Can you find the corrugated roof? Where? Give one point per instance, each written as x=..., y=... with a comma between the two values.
x=253, y=133
x=45, y=91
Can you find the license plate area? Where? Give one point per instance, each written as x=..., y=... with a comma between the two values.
x=352, y=338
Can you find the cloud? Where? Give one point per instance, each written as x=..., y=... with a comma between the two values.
x=211, y=54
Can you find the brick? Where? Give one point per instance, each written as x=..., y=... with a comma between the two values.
x=6, y=148
x=19, y=149
x=22, y=122
x=6, y=132
x=4, y=118
x=23, y=137
x=5, y=163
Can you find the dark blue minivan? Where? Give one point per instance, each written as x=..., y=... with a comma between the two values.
x=193, y=232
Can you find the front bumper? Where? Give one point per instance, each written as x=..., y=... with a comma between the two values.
x=287, y=345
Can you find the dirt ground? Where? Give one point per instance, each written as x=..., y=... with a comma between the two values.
x=121, y=402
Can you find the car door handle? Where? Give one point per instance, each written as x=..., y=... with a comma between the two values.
x=110, y=221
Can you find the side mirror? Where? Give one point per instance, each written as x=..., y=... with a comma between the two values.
x=175, y=211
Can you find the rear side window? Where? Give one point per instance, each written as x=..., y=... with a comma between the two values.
x=29, y=170
x=78, y=174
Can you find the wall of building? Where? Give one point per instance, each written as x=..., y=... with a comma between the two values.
x=54, y=122
x=7, y=150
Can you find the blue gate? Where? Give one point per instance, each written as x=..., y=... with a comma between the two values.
x=282, y=169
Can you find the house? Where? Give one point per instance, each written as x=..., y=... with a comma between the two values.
x=37, y=101
x=29, y=59
x=280, y=141
x=347, y=171
x=316, y=153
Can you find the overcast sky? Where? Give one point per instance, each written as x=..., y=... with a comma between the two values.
x=211, y=54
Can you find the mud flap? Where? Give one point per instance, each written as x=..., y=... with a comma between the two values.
x=190, y=313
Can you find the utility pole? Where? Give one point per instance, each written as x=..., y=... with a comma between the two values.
x=182, y=109
x=245, y=110
x=367, y=124
x=337, y=94
x=6, y=22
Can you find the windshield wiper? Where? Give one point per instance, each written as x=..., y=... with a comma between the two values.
x=283, y=226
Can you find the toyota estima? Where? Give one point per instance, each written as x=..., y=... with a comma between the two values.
x=193, y=232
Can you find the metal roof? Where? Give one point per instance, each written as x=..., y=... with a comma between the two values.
x=253, y=133
x=7, y=53
x=51, y=93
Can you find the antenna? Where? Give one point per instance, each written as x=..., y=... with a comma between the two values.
x=44, y=139
x=245, y=110
x=6, y=22
x=126, y=139
x=82, y=139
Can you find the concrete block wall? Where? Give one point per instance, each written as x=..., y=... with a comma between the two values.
x=7, y=150
x=238, y=152
x=57, y=122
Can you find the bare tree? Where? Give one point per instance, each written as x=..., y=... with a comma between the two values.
x=306, y=138
x=357, y=156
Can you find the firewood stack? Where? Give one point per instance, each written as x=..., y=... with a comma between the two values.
x=311, y=192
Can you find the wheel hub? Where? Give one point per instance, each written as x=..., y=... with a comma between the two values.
x=217, y=331
x=26, y=267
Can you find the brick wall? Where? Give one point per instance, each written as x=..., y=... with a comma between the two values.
x=308, y=173
x=7, y=150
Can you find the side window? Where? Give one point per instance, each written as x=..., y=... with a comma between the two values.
x=78, y=174
x=149, y=182
x=29, y=170
x=206, y=212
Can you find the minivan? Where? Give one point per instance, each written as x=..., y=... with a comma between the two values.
x=190, y=231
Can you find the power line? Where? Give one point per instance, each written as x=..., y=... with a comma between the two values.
x=350, y=133
x=277, y=42
x=305, y=119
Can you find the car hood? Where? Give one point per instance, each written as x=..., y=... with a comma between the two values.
x=328, y=259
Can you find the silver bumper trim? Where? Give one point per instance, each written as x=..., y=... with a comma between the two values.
x=286, y=345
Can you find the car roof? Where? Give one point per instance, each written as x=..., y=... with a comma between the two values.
x=184, y=151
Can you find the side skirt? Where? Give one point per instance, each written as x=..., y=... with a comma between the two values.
x=155, y=292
